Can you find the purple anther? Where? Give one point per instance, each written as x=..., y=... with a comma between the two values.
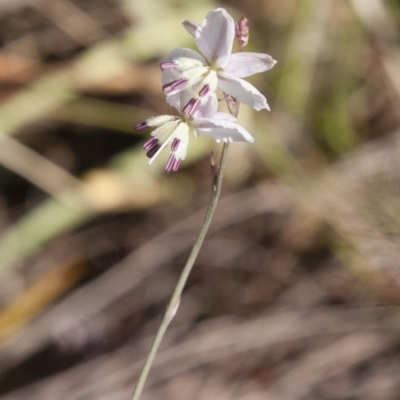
x=153, y=150
x=178, y=84
x=195, y=107
x=148, y=144
x=192, y=106
x=175, y=144
x=167, y=64
x=142, y=125
x=173, y=164
x=204, y=90
x=188, y=106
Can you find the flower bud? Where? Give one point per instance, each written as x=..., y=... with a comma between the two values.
x=242, y=29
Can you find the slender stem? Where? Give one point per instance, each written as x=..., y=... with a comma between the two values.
x=175, y=298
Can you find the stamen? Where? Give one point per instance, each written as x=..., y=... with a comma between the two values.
x=204, y=90
x=153, y=150
x=173, y=163
x=175, y=144
x=167, y=64
x=177, y=164
x=142, y=125
x=148, y=144
x=178, y=84
x=192, y=106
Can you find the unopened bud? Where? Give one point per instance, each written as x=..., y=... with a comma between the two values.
x=233, y=105
x=242, y=29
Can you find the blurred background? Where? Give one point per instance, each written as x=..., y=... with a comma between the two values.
x=296, y=291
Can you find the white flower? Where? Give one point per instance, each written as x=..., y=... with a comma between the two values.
x=216, y=66
x=194, y=117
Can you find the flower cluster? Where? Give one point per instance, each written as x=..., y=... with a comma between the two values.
x=190, y=81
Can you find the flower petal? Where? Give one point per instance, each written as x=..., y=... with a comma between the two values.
x=188, y=53
x=174, y=100
x=190, y=26
x=224, y=115
x=209, y=108
x=182, y=134
x=222, y=130
x=246, y=64
x=160, y=120
x=242, y=91
x=164, y=136
x=167, y=133
x=214, y=37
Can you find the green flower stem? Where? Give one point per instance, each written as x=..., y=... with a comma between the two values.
x=174, y=302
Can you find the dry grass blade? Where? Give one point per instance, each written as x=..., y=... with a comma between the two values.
x=376, y=18
x=289, y=298
x=77, y=24
x=341, y=197
x=40, y=171
x=217, y=340
x=127, y=275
